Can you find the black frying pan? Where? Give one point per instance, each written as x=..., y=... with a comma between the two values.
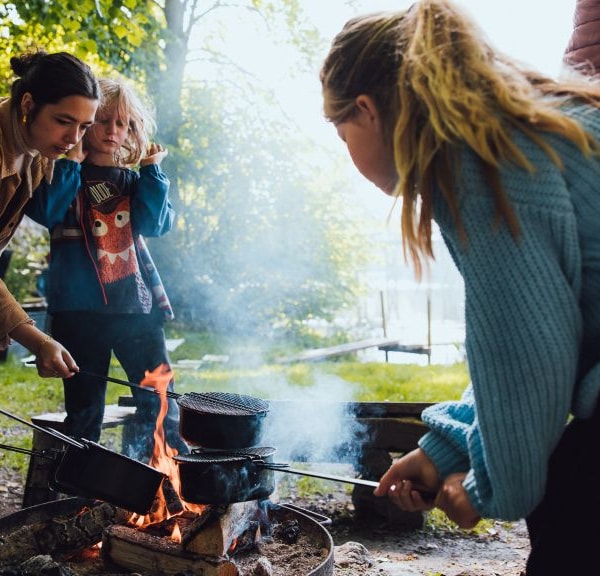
x=85, y=468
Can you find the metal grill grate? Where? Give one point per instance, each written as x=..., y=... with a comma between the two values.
x=202, y=455
x=226, y=403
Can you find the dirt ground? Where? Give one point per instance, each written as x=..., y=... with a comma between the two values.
x=369, y=547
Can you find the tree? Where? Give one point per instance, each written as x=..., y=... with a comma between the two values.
x=219, y=156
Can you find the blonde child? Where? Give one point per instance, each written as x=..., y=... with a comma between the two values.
x=104, y=295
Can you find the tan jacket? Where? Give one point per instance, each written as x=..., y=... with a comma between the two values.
x=584, y=45
x=14, y=194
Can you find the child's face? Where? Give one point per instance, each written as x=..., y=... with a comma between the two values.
x=108, y=133
x=363, y=135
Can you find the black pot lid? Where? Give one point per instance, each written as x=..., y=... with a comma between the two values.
x=206, y=456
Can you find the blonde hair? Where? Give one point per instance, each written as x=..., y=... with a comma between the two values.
x=439, y=85
x=130, y=108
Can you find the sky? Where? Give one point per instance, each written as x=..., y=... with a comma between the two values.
x=533, y=31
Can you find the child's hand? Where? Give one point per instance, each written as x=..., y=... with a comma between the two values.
x=155, y=155
x=77, y=153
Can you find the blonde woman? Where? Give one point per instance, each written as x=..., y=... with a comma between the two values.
x=104, y=294
x=506, y=162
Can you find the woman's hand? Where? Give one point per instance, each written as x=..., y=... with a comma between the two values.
x=454, y=501
x=54, y=361
x=411, y=482
x=155, y=155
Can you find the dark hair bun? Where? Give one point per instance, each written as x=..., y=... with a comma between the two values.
x=21, y=64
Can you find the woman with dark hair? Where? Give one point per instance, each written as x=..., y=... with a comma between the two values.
x=506, y=162
x=53, y=101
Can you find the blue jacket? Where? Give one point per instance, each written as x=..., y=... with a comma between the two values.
x=77, y=276
x=532, y=323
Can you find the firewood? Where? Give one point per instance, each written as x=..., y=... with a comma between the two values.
x=214, y=535
x=61, y=534
x=150, y=555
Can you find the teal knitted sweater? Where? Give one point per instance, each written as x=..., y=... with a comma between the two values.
x=532, y=313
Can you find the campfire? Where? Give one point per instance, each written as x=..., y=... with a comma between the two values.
x=175, y=538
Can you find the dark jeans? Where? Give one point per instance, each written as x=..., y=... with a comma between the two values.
x=564, y=529
x=138, y=343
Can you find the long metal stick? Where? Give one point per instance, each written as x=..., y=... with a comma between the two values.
x=46, y=430
x=168, y=393
x=332, y=477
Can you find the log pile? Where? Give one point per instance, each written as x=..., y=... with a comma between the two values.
x=59, y=535
x=206, y=540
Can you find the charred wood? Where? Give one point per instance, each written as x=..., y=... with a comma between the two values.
x=61, y=534
x=215, y=533
x=150, y=555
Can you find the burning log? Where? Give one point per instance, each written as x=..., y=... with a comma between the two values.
x=213, y=534
x=147, y=554
x=61, y=534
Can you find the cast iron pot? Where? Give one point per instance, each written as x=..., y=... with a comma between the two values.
x=221, y=420
x=221, y=477
x=94, y=471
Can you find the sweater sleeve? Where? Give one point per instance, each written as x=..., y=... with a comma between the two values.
x=152, y=211
x=523, y=330
x=11, y=315
x=50, y=201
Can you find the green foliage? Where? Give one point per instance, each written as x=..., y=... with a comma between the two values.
x=263, y=246
x=28, y=258
x=263, y=241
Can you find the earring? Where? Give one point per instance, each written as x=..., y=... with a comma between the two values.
x=24, y=119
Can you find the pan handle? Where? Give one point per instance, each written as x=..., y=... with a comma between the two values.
x=428, y=496
x=44, y=429
x=39, y=453
x=168, y=393
x=332, y=477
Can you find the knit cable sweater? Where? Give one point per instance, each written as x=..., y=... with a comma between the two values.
x=532, y=324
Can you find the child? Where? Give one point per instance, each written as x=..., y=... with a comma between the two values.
x=506, y=162
x=103, y=293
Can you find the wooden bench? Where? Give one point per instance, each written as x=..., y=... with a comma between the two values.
x=385, y=344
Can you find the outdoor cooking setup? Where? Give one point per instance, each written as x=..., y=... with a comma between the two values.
x=224, y=485
x=219, y=525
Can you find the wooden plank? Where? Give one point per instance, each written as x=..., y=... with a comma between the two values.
x=147, y=554
x=356, y=409
x=331, y=351
x=114, y=415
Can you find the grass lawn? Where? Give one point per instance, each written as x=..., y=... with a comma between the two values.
x=26, y=394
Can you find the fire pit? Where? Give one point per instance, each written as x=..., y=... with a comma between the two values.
x=289, y=542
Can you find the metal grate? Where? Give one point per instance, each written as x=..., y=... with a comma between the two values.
x=202, y=455
x=226, y=403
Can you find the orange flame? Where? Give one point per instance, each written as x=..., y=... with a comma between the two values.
x=162, y=454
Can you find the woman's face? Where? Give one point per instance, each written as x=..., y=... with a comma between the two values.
x=56, y=128
x=364, y=137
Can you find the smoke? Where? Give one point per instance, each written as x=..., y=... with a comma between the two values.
x=314, y=424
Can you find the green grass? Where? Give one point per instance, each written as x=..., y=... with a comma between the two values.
x=26, y=394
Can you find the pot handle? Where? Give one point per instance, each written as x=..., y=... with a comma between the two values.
x=320, y=518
